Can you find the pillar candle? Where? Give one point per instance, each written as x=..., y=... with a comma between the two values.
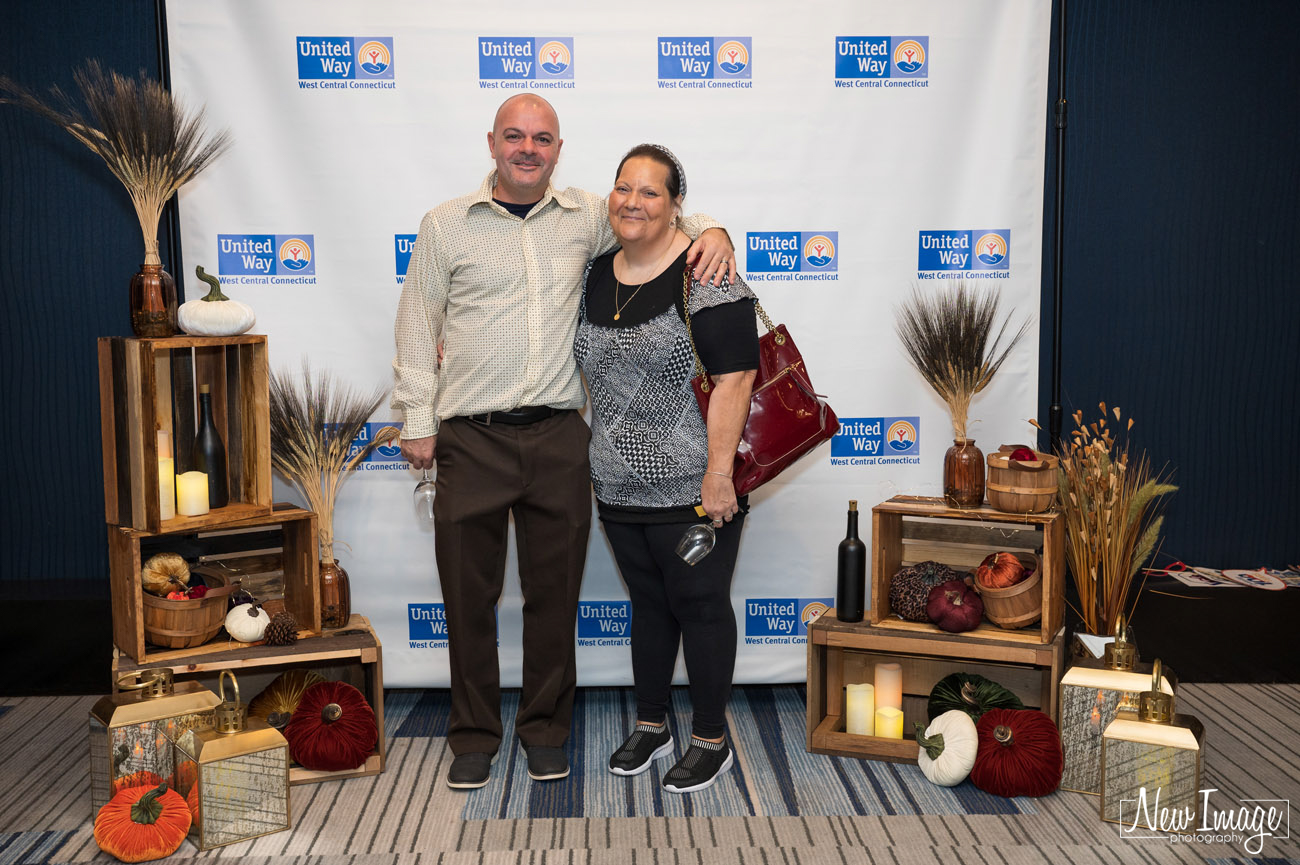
x=166, y=477
x=889, y=686
x=192, y=494
x=889, y=722
x=860, y=712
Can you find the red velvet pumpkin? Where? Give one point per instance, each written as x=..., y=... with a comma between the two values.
x=141, y=823
x=1000, y=571
x=332, y=729
x=1019, y=753
x=955, y=607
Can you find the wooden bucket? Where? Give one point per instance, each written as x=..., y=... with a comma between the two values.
x=189, y=623
x=1016, y=606
x=1020, y=486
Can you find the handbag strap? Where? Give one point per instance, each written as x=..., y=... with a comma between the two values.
x=686, y=310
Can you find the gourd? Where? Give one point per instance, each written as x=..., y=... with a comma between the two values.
x=971, y=693
x=275, y=705
x=955, y=607
x=332, y=729
x=1000, y=571
x=164, y=573
x=214, y=314
x=141, y=823
x=1019, y=753
x=948, y=748
x=247, y=623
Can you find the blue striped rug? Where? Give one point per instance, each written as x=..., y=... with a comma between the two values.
x=773, y=775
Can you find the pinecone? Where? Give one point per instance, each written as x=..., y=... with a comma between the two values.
x=282, y=631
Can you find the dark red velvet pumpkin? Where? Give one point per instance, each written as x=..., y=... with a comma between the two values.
x=1019, y=753
x=955, y=607
x=332, y=729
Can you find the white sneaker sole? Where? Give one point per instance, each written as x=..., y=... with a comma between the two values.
x=726, y=764
x=662, y=751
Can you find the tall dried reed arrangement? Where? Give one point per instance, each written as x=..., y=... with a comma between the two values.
x=314, y=422
x=946, y=338
x=146, y=137
x=1112, y=502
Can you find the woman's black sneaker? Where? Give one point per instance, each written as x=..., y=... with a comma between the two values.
x=646, y=744
x=699, y=767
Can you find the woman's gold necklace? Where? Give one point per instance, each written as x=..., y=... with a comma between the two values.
x=618, y=308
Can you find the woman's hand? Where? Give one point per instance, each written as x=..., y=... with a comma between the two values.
x=728, y=409
x=713, y=257
x=718, y=496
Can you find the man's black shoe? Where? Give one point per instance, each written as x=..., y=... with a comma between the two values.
x=470, y=771
x=546, y=764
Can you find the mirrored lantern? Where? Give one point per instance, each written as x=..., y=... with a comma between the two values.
x=131, y=732
x=1151, y=763
x=1092, y=692
x=234, y=776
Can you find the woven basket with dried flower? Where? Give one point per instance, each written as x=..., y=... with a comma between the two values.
x=947, y=338
x=314, y=422
x=1112, y=502
x=152, y=143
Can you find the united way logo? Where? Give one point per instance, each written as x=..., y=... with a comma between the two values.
x=525, y=58
x=384, y=457
x=345, y=58
x=700, y=58
x=403, y=244
x=266, y=254
x=791, y=251
x=781, y=620
x=873, y=441
x=604, y=623
x=896, y=58
x=426, y=626
x=986, y=251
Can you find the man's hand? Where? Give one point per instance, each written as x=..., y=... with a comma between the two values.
x=712, y=256
x=419, y=452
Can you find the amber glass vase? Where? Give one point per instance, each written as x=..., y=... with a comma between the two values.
x=153, y=302
x=963, y=475
x=335, y=595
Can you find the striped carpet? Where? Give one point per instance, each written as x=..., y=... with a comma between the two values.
x=778, y=805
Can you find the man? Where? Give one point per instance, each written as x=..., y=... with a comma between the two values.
x=495, y=278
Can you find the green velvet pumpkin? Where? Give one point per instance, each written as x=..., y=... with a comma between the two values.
x=972, y=694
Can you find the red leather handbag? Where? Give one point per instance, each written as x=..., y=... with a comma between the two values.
x=787, y=417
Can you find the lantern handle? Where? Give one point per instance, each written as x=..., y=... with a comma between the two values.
x=221, y=686
x=159, y=678
x=1155, y=676
x=1121, y=632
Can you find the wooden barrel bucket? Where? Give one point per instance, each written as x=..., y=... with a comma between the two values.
x=189, y=623
x=1021, y=486
x=1015, y=606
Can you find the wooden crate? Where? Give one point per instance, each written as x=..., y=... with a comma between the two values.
x=352, y=654
x=840, y=653
x=301, y=581
x=910, y=529
x=147, y=385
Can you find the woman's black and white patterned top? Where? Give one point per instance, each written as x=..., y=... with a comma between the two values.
x=649, y=445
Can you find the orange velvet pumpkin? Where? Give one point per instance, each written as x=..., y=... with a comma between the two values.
x=1000, y=571
x=143, y=778
x=141, y=823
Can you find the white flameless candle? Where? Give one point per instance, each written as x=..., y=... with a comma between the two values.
x=889, y=723
x=860, y=710
x=889, y=686
x=192, y=494
x=166, y=477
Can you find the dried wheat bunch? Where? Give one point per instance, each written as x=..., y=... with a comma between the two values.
x=946, y=338
x=314, y=423
x=145, y=136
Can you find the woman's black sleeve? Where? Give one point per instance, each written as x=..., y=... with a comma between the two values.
x=726, y=337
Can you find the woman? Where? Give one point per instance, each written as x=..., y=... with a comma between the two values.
x=657, y=466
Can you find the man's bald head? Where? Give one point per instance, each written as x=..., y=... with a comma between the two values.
x=529, y=100
x=525, y=142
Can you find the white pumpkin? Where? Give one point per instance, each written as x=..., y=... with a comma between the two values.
x=948, y=748
x=247, y=623
x=214, y=314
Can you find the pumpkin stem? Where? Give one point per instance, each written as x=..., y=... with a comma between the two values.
x=933, y=745
x=954, y=598
x=1002, y=733
x=331, y=713
x=968, y=694
x=147, y=809
x=215, y=294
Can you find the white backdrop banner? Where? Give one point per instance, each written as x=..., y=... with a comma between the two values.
x=853, y=151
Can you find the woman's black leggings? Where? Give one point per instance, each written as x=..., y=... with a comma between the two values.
x=672, y=603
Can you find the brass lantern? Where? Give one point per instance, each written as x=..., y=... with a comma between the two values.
x=131, y=732
x=1151, y=761
x=1092, y=692
x=234, y=776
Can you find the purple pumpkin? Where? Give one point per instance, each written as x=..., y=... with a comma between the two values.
x=955, y=607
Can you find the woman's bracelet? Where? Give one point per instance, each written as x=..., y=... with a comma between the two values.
x=719, y=474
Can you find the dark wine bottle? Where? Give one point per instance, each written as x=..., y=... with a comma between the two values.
x=210, y=453
x=852, y=587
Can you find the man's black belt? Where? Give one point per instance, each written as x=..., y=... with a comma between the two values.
x=519, y=416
